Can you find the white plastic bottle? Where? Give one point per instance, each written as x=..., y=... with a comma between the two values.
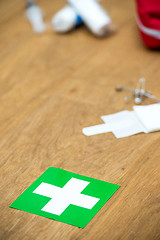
x=35, y=17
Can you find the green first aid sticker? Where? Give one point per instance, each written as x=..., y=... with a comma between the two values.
x=65, y=196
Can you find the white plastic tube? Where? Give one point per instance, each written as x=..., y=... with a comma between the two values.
x=93, y=15
x=35, y=17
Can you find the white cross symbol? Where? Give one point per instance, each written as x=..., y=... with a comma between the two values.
x=61, y=198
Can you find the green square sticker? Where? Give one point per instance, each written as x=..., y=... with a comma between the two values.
x=65, y=196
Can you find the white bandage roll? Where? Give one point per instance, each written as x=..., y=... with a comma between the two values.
x=66, y=19
x=35, y=16
x=93, y=15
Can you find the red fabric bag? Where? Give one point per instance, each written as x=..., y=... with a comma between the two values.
x=148, y=19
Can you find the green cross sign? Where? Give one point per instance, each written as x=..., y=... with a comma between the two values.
x=65, y=196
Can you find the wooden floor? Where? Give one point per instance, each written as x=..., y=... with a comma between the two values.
x=51, y=86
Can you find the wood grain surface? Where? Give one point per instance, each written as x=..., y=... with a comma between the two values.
x=51, y=86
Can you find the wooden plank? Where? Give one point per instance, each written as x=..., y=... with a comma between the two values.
x=51, y=87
